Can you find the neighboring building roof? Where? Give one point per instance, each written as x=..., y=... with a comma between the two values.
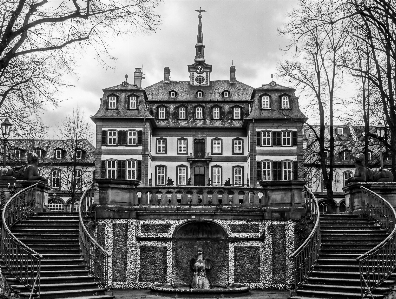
x=123, y=86
x=187, y=92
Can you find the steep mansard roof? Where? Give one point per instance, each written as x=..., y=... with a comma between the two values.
x=187, y=92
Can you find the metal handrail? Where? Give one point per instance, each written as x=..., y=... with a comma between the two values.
x=378, y=263
x=20, y=260
x=306, y=255
x=95, y=256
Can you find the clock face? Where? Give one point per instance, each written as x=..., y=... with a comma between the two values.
x=200, y=69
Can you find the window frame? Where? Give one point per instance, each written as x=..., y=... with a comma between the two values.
x=285, y=102
x=266, y=170
x=161, y=145
x=237, y=113
x=78, y=178
x=234, y=152
x=161, y=112
x=345, y=176
x=112, y=101
x=241, y=175
x=217, y=108
x=266, y=137
x=57, y=152
x=286, y=138
x=130, y=139
x=268, y=101
x=226, y=94
x=132, y=99
x=79, y=154
x=200, y=94
x=179, y=140
x=196, y=112
x=340, y=131
x=178, y=173
x=220, y=145
x=130, y=166
x=179, y=111
x=217, y=178
x=111, y=170
x=173, y=94
x=287, y=172
x=58, y=177
x=157, y=168
x=114, y=137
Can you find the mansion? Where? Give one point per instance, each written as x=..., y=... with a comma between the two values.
x=198, y=132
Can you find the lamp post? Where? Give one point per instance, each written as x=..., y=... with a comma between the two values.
x=5, y=131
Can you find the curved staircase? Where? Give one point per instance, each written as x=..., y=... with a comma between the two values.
x=336, y=272
x=63, y=272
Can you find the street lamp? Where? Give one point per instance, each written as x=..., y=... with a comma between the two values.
x=5, y=131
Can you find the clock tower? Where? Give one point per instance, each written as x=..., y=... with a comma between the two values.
x=200, y=71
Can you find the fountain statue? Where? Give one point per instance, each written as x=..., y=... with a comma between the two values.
x=199, y=267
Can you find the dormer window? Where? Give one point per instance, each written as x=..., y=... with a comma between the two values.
x=226, y=94
x=79, y=154
x=132, y=102
x=173, y=94
x=58, y=153
x=265, y=102
x=39, y=152
x=237, y=112
x=199, y=94
x=112, y=102
x=285, y=102
x=182, y=112
x=199, y=113
x=340, y=131
x=162, y=112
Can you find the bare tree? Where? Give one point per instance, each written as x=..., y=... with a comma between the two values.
x=318, y=42
x=39, y=40
x=76, y=132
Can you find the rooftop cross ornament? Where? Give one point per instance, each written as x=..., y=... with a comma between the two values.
x=200, y=10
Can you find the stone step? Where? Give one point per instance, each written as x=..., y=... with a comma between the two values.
x=30, y=230
x=345, y=289
x=30, y=240
x=47, y=287
x=66, y=293
x=331, y=294
x=34, y=235
x=341, y=281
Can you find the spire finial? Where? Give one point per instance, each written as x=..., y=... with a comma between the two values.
x=199, y=56
x=126, y=78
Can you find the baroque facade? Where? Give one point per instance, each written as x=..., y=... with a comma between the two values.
x=198, y=131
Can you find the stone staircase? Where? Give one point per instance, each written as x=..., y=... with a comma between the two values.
x=336, y=273
x=63, y=270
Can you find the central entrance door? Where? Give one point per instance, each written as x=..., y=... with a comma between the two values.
x=199, y=176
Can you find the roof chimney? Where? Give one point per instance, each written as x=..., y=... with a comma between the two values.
x=138, y=76
x=232, y=74
x=167, y=74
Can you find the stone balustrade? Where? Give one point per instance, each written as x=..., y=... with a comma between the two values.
x=282, y=199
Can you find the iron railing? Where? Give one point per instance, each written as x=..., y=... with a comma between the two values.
x=21, y=261
x=378, y=264
x=307, y=254
x=95, y=256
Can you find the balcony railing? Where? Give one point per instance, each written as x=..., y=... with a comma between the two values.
x=95, y=256
x=307, y=254
x=20, y=261
x=377, y=264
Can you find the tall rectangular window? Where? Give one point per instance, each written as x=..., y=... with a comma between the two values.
x=161, y=146
x=132, y=102
x=182, y=146
x=112, y=137
x=198, y=113
x=237, y=113
x=58, y=154
x=265, y=102
x=132, y=137
x=182, y=113
x=238, y=176
x=217, y=147
x=161, y=112
x=286, y=138
x=112, y=102
x=216, y=176
x=78, y=154
x=237, y=146
x=78, y=178
x=161, y=174
x=287, y=170
x=55, y=179
x=266, y=170
x=285, y=102
x=182, y=175
x=266, y=138
x=111, y=169
x=131, y=171
x=216, y=113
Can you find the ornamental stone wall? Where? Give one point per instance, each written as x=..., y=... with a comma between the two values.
x=144, y=252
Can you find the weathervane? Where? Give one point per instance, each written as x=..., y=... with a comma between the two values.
x=200, y=10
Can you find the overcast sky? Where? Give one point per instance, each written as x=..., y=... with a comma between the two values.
x=244, y=32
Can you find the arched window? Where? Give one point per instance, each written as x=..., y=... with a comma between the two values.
x=200, y=94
